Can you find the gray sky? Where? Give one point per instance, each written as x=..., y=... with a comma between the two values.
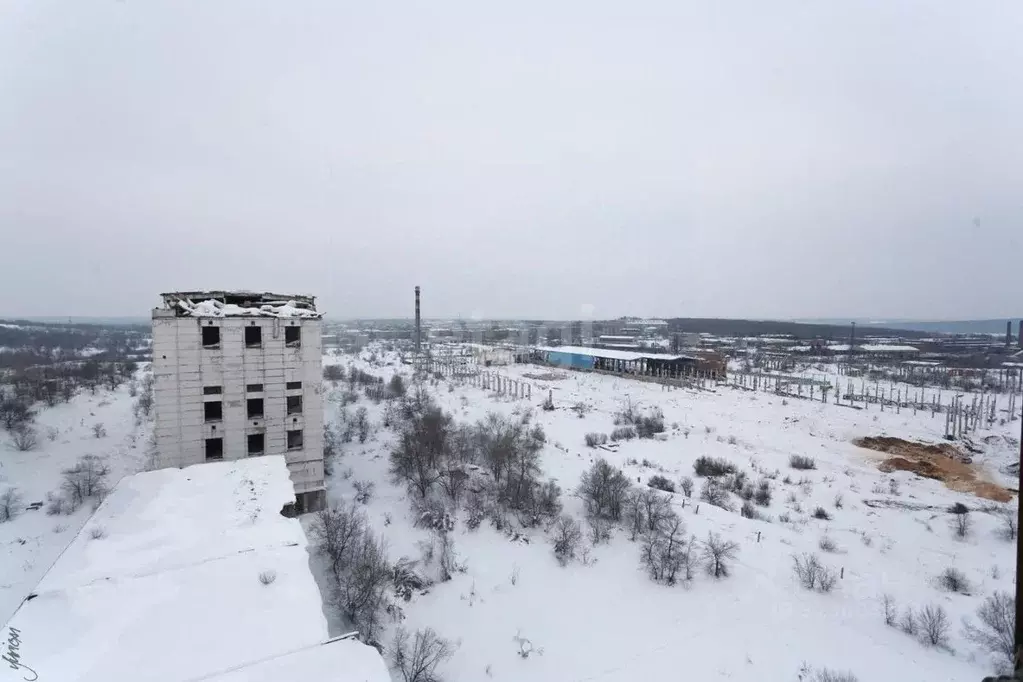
x=760, y=159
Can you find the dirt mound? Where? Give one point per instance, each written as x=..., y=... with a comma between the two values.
x=943, y=462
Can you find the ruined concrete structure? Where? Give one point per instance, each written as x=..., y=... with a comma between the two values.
x=238, y=374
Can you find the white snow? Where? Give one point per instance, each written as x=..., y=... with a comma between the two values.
x=606, y=621
x=215, y=308
x=171, y=590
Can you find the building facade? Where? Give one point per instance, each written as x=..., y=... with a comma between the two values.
x=238, y=374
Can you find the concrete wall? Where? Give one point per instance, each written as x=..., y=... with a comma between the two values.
x=182, y=367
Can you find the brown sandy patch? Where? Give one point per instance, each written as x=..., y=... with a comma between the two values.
x=943, y=462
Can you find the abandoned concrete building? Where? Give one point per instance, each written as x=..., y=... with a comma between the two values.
x=238, y=374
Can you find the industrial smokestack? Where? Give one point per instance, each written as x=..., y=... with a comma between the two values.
x=1008, y=333
x=1019, y=334
x=418, y=327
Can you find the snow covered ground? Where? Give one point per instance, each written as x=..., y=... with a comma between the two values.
x=32, y=542
x=604, y=619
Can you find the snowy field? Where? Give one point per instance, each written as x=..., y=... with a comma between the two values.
x=31, y=542
x=603, y=618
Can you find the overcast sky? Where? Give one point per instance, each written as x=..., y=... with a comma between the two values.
x=528, y=159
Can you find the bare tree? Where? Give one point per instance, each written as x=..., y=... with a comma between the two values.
x=713, y=492
x=362, y=587
x=687, y=486
x=717, y=554
x=98, y=430
x=418, y=660
x=961, y=523
x=635, y=514
x=954, y=580
x=664, y=548
x=11, y=504
x=421, y=451
x=997, y=625
x=86, y=479
x=604, y=488
x=934, y=625
x=566, y=536
x=336, y=531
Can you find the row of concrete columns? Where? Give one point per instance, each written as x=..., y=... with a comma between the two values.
x=502, y=385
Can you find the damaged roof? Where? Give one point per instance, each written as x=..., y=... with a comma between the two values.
x=240, y=304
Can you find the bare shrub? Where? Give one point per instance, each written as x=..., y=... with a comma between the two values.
x=24, y=437
x=267, y=577
x=812, y=574
x=891, y=611
x=623, y=433
x=954, y=580
x=449, y=564
x=713, y=466
x=595, y=439
x=97, y=532
x=15, y=412
x=604, y=489
x=822, y=514
x=908, y=622
x=417, y=660
x=715, y=493
x=997, y=625
x=737, y=482
x=748, y=511
x=838, y=501
x=826, y=544
x=687, y=486
x=649, y=425
x=934, y=625
x=826, y=675
x=1009, y=530
x=566, y=536
x=98, y=430
x=961, y=524
x=958, y=508
x=802, y=462
x=661, y=483
x=363, y=491
x=663, y=550
x=11, y=505
x=762, y=496
x=361, y=588
x=718, y=554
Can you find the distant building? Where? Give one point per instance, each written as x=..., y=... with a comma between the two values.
x=236, y=375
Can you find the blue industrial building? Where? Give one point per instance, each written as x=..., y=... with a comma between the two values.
x=612, y=360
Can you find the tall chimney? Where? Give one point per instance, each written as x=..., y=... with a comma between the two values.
x=1019, y=335
x=418, y=328
x=1008, y=333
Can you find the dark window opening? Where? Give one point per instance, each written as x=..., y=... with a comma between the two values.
x=212, y=390
x=254, y=388
x=256, y=443
x=294, y=404
x=293, y=337
x=214, y=448
x=253, y=337
x=213, y=411
x=255, y=407
x=211, y=337
x=293, y=385
x=295, y=439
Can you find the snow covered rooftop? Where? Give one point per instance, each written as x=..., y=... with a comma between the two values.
x=170, y=590
x=611, y=353
x=240, y=304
